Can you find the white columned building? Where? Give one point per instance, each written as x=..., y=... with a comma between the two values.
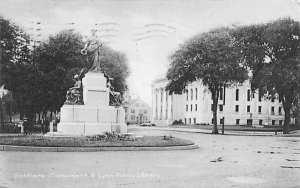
x=237, y=106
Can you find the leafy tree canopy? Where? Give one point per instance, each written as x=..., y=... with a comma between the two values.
x=272, y=51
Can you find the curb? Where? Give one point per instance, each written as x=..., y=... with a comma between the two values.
x=230, y=133
x=92, y=149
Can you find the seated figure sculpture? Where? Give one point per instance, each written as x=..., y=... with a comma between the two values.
x=115, y=98
x=74, y=94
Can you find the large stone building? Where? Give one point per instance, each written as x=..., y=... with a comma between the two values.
x=237, y=106
x=137, y=111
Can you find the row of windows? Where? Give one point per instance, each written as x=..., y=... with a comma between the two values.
x=237, y=95
x=221, y=95
x=249, y=109
x=260, y=122
x=237, y=121
x=140, y=111
x=143, y=117
x=191, y=107
x=190, y=121
x=192, y=94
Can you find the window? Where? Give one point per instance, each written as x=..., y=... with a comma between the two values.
x=237, y=94
x=236, y=108
x=161, y=95
x=191, y=94
x=190, y=120
x=196, y=107
x=140, y=111
x=260, y=122
x=221, y=94
x=196, y=93
x=187, y=95
x=184, y=120
x=248, y=95
x=280, y=122
x=273, y=122
x=125, y=110
x=132, y=117
x=212, y=121
x=259, y=109
x=194, y=120
x=248, y=108
x=221, y=108
x=259, y=96
x=191, y=107
x=145, y=111
x=237, y=121
x=273, y=110
x=249, y=121
x=133, y=111
x=187, y=107
x=222, y=121
x=280, y=110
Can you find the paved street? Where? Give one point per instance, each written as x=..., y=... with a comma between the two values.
x=220, y=161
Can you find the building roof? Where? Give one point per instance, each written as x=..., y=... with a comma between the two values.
x=133, y=101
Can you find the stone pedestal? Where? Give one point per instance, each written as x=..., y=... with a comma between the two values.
x=95, y=116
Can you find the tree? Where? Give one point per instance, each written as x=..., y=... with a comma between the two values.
x=212, y=57
x=15, y=66
x=57, y=60
x=115, y=65
x=272, y=52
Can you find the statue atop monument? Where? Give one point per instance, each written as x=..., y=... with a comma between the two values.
x=92, y=51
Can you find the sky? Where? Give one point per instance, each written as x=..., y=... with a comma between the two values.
x=146, y=31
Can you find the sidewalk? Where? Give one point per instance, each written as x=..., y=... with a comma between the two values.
x=226, y=132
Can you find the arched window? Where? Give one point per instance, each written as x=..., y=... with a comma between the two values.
x=191, y=94
x=196, y=93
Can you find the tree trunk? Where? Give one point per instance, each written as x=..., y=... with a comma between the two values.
x=287, y=117
x=39, y=120
x=1, y=116
x=51, y=113
x=215, y=108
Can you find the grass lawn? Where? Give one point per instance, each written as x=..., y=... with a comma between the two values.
x=146, y=141
x=234, y=128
